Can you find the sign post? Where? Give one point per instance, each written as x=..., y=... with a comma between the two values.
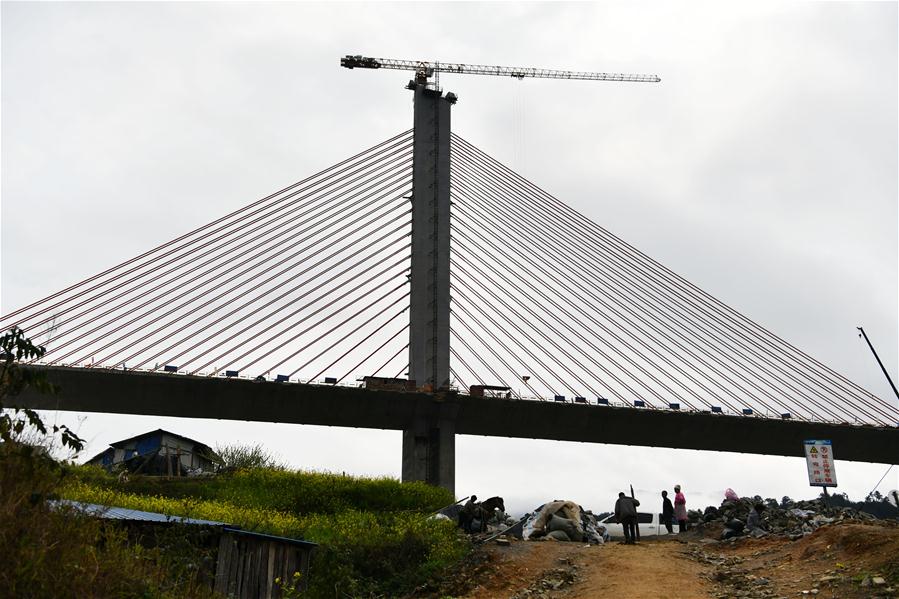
x=637, y=524
x=819, y=460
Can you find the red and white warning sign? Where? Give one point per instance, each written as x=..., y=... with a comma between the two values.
x=819, y=459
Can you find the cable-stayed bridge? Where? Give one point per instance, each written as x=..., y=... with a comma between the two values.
x=423, y=258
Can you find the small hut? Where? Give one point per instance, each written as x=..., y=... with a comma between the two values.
x=158, y=452
x=246, y=563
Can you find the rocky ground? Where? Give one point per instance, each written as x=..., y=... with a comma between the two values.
x=849, y=559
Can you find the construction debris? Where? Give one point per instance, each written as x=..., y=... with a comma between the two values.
x=561, y=520
x=792, y=519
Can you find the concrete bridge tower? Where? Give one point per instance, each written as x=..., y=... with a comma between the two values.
x=429, y=446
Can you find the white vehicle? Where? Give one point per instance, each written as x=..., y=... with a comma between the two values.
x=650, y=525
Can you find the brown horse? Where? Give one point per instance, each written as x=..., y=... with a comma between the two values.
x=480, y=512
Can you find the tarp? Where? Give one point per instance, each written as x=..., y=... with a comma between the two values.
x=561, y=520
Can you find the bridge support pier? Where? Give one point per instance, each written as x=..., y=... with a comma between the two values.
x=429, y=446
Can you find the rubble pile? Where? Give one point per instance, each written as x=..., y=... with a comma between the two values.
x=730, y=579
x=562, y=521
x=792, y=519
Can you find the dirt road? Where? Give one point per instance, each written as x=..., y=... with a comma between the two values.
x=649, y=570
x=851, y=561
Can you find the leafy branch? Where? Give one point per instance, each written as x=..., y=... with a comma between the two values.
x=15, y=348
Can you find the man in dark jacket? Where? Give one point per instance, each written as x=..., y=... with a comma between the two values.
x=468, y=513
x=667, y=512
x=626, y=513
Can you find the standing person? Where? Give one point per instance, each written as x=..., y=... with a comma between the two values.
x=626, y=513
x=468, y=513
x=680, y=509
x=667, y=512
x=754, y=521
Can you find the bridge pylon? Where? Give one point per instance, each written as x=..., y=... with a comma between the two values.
x=429, y=445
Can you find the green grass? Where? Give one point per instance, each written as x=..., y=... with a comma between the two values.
x=374, y=533
x=291, y=491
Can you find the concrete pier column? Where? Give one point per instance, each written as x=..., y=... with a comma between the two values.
x=429, y=445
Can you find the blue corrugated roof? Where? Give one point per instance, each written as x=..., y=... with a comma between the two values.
x=160, y=432
x=121, y=513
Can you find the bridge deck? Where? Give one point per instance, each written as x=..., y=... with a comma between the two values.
x=160, y=394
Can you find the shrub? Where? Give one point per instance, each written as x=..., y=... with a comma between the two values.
x=60, y=553
x=234, y=457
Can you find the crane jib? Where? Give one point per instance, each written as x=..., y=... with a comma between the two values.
x=427, y=69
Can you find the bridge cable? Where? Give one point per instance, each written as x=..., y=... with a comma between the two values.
x=257, y=256
x=358, y=343
x=332, y=329
x=457, y=312
x=458, y=161
x=536, y=316
x=404, y=136
x=173, y=359
x=503, y=314
x=403, y=142
x=391, y=359
x=458, y=378
x=462, y=361
x=196, y=297
x=680, y=284
x=283, y=281
x=373, y=353
x=306, y=317
x=618, y=324
x=549, y=264
x=404, y=368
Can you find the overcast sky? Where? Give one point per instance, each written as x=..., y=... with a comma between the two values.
x=763, y=169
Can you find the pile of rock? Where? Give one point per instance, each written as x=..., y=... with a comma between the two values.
x=554, y=579
x=792, y=519
x=730, y=579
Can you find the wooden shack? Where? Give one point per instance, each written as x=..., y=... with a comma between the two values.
x=249, y=563
x=158, y=452
x=246, y=563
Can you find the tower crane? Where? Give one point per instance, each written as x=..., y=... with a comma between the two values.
x=428, y=441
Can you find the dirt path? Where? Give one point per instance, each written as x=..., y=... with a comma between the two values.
x=650, y=570
x=849, y=561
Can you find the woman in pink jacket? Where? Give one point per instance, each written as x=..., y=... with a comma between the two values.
x=680, y=509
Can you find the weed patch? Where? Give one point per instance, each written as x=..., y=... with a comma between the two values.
x=374, y=534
